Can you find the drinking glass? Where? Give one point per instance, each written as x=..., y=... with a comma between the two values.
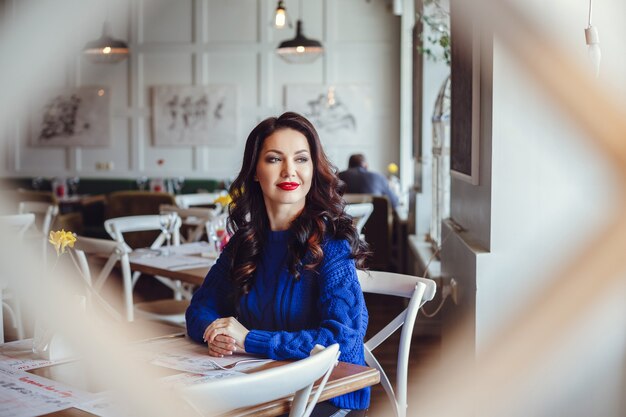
x=178, y=183
x=73, y=183
x=37, y=182
x=142, y=182
x=166, y=221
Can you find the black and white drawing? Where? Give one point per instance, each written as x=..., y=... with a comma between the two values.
x=340, y=113
x=194, y=115
x=73, y=117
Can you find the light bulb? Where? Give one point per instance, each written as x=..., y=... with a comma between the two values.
x=280, y=18
x=593, y=49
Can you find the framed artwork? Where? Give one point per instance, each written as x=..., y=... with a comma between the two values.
x=465, y=100
x=194, y=115
x=341, y=113
x=73, y=117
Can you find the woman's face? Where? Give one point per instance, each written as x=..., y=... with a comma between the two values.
x=285, y=171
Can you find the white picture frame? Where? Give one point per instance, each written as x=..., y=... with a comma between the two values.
x=194, y=115
x=341, y=113
x=73, y=117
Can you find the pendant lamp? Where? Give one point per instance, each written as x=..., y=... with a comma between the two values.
x=280, y=16
x=106, y=49
x=300, y=50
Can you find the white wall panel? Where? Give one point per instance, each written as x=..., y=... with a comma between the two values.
x=166, y=69
x=372, y=21
x=176, y=160
x=235, y=68
x=167, y=21
x=227, y=23
x=226, y=162
x=118, y=153
x=114, y=76
x=372, y=64
x=32, y=159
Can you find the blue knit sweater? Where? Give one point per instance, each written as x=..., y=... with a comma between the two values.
x=286, y=318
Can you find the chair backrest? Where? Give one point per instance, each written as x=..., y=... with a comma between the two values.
x=44, y=212
x=359, y=212
x=117, y=227
x=136, y=203
x=419, y=291
x=198, y=199
x=198, y=219
x=378, y=228
x=18, y=223
x=117, y=252
x=298, y=377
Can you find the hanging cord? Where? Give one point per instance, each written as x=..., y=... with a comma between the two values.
x=590, y=9
x=444, y=295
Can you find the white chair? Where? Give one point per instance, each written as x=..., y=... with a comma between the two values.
x=198, y=219
x=198, y=199
x=85, y=247
x=222, y=395
x=19, y=224
x=360, y=213
x=419, y=291
x=172, y=311
x=45, y=213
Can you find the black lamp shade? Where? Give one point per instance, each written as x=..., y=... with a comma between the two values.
x=300, y=49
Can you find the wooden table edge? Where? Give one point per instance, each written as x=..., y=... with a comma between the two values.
x=334, y=387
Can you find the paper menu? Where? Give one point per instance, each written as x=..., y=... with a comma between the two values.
x=23, y=394
x=183, y=355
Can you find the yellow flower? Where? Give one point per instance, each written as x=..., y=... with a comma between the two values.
x=224, y=200
x=392, y=168
x=61, y=240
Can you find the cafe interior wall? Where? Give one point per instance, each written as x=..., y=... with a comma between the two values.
x=204, y=42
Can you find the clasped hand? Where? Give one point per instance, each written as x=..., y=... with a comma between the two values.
x=225, y=336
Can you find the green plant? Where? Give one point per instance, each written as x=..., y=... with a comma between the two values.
x=435, y=44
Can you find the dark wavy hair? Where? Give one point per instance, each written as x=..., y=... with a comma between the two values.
x=323, y=215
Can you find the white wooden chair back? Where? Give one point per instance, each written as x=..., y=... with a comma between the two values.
x=85, y=247
x=198, y=218
x=198, y=199
x=418, y=291
x=45, y=211
x=117, y=226
x=360, y=212
x=222, y=395
x=18, y=223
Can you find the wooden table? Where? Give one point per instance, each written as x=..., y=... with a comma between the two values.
x=193, y=276
x=345, y=378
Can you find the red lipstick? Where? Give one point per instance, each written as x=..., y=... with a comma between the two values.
x=288, y=186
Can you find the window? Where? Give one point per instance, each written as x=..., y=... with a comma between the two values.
x=441, y=163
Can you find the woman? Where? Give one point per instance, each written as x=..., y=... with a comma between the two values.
x=287, y=279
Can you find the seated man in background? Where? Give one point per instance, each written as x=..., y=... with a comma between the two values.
x=361, y=181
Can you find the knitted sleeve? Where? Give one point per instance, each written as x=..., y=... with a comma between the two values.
x=343, y=314
x=212, y=300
